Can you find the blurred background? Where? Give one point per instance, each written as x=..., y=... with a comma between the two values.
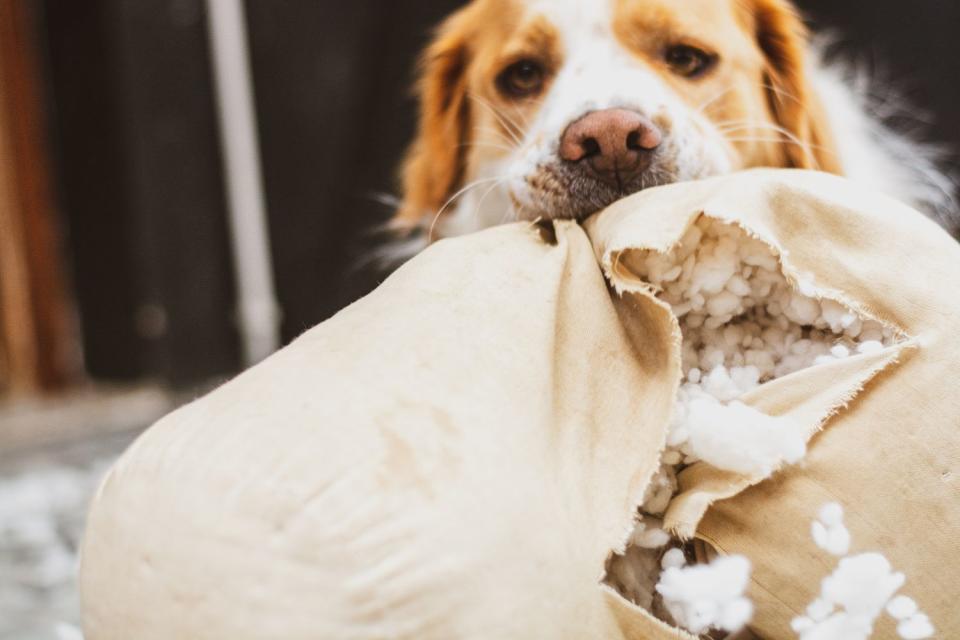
x=187, y=184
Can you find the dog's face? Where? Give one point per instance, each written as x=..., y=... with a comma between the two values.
x=557, y=108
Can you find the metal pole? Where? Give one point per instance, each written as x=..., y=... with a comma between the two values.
x=259, y=315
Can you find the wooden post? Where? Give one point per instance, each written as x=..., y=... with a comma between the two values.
x=35, y=332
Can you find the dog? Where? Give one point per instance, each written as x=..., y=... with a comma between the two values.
x=557, y=108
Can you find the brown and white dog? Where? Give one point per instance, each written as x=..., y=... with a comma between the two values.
x=557, y=108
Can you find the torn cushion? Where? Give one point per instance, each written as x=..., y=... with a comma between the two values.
x=458, y=454
x=881, y=425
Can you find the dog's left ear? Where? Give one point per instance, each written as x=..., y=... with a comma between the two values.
x=784, y=40
x=434, y=163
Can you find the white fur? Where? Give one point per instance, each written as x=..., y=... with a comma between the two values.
x=871, y=152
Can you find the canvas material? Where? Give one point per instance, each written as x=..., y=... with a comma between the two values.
x=888, y=453
x=453, y=456
x=456, y=455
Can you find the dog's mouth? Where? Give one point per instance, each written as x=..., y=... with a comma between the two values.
x=567, y=192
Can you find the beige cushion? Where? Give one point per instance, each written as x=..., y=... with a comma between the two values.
x=456, y=455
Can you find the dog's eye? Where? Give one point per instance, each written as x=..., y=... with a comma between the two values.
x=688, y=61
x=521, y=79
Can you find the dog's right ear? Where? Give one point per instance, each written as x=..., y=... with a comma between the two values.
x=783, y=39
x=434, y=164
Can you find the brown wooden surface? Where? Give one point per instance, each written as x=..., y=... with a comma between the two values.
x=34, y=317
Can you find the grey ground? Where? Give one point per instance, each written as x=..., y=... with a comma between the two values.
x=52, y=456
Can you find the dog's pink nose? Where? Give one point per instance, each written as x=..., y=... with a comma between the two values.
x=615, y=143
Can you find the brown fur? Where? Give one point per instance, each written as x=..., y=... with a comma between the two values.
x=783, y=39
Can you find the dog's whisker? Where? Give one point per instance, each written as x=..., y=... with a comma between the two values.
x=786, y=94
x=492, y=145
x=743, y=125
x=476, y=210
x=771, y=139
x=454, y=197
x=703, y=107
x=508, y=124
x=511, y=144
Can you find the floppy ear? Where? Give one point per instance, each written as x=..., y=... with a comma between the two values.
x=434, y=164
x=783, y=39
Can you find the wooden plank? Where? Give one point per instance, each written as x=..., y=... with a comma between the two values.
x=36, y=320
x=20, y=367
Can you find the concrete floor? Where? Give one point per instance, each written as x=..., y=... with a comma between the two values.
x=53, y=453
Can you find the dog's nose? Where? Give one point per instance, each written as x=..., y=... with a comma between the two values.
x=616, y=144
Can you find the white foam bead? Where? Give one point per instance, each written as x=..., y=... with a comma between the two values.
x=764, y=261
x=672, y=457
x=656, y=504
x=802, y=310
x=652, y=538
x=819, y=610
x=733, y=335
x=677, y=437
x=800, y=347
x=839, y=351
x=728, y=244
x=681, y=310
x=712, y=359
x=700, y=615
x=862, y=584
x=855, y=329
x=738, y=286
x=695, y=320
x=774, y=335
x=831, y=514
x=673, y=558
x=762, y=360
x=716, y=322
x=833, y=314
x=735, y=615
x=901, y=607
x=917, y=627
x=711, y=275
x=838, y=540
x=673, y=274
x=819, y=534
x=761, y=290
x=807, y=288
x=800, y=624
x=871, y=346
